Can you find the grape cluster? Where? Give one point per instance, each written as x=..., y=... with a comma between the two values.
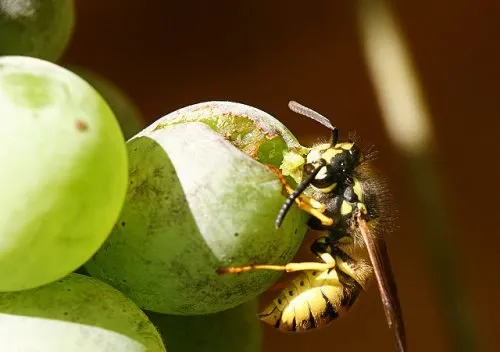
x=110, y=237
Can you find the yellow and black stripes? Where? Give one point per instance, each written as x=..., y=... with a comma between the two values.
x=313, y=299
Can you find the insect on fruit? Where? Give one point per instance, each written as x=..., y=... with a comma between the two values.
x=345, y=201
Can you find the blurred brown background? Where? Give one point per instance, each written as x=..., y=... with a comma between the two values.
x=168, y=54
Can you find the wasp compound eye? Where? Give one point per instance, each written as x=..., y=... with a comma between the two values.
x=325, y=177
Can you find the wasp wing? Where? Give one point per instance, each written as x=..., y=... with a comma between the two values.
x=387, y=286
x=316, y=116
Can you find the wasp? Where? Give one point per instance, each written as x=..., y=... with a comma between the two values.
x=345, y=200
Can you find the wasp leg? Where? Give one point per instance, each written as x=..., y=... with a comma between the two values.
x=289, y=268
x=317, y=248
x=317, y=213
x=305, y=202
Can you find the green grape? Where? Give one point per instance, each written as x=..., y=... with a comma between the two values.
x=63, y=172
x=38, y=28
x=78, y=314
x=197, y=203
x=128, y=115
x=254, y=132
x=235, y=329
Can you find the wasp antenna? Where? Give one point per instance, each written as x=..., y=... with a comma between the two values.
x=316, y=116
x=298, y=191
x=335, y=136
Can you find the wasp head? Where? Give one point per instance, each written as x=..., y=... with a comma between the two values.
x=336, y=162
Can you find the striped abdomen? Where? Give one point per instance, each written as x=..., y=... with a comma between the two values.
x=314, y=299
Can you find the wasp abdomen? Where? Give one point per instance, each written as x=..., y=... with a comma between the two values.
x=312, y=300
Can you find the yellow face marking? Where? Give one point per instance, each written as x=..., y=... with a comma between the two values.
x=321, y=174
x=322, y=146
x=330, y=153
x=327, y=189
x=315, y=153
x=313, y=156
x=345, y=208
x=344, y=146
